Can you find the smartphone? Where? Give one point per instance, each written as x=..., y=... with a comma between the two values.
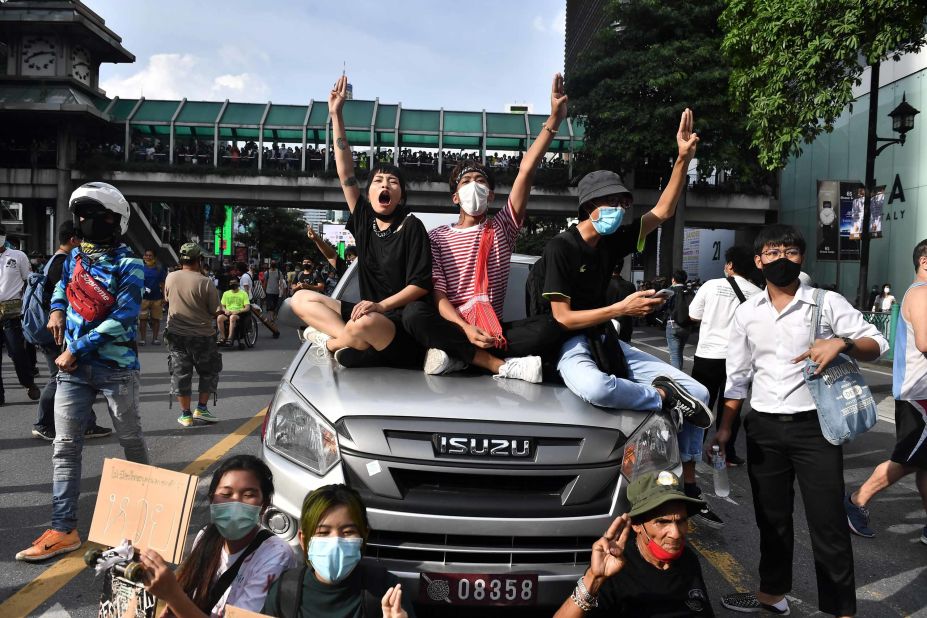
x=665, y=293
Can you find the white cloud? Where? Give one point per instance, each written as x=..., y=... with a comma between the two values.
x=174, y=76
x=538, y=24
x=558, y=23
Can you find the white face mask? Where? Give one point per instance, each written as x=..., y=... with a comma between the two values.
x=474, y=198
x=886, y=290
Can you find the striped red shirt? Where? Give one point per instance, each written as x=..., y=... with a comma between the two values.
x=453, y=258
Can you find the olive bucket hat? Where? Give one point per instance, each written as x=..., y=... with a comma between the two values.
x=653, y=489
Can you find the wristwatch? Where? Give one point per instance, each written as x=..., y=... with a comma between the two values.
x=849, y=343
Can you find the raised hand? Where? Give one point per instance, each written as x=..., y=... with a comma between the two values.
x=608, y=552
x=686, y=139
x=338, y=96
x=391, y=604
x=558, y=100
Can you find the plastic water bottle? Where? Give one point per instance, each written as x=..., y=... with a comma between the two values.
x=719, y=465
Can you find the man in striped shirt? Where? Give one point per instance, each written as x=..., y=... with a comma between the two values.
x=454, y=325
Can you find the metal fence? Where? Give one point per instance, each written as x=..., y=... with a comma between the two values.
x=886, y=323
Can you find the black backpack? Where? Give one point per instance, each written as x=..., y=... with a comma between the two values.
x=290, y=591
x=679, y=311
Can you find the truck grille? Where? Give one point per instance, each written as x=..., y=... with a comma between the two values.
x=478, y=493
x=466, y=549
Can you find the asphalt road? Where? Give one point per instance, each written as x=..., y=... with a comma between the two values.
x=891, y=569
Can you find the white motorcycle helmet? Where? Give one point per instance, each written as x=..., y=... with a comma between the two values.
x=90, y=197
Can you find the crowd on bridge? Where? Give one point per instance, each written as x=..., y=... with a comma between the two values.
x=433, y=302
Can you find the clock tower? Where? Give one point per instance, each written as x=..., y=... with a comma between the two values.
x=50, y=102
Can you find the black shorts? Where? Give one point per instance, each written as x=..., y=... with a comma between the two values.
x=911, y=433
x=403, y=351
x=271, y=301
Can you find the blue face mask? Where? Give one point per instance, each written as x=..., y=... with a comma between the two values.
x=234, y=519
x=334, y=557
x=609, y=220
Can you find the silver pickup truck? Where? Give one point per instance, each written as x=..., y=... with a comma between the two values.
x=479, y=491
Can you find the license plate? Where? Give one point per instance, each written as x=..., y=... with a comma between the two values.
x=474, y=589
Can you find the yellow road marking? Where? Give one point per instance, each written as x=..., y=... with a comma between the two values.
x=32, y=595
x=723, y=562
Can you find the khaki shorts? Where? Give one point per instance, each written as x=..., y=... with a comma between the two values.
x=153, y=309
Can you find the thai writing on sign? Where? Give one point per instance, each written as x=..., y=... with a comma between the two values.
x=149, y=506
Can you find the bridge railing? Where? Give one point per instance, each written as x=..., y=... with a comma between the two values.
x=551, y=178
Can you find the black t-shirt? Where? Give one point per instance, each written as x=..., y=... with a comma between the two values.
x=342, y=600
x=572, y=269
x=311, y=277
x=388, y=264
x=642, y=590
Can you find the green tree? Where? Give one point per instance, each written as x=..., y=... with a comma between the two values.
x=636, y=77
x=796, y=61
x=536, y=231
x=277, y=232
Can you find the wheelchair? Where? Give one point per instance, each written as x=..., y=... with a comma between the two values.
x=246, y=331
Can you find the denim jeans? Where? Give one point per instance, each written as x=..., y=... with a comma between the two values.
x=12, y=332
x=73, y=399
x=676, y=338
x=583, y=377
x=46, y=408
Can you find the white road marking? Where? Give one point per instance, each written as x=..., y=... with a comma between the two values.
x=56, y=611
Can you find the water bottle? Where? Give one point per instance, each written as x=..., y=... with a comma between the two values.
x=719, y=465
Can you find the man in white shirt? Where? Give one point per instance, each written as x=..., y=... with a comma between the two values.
x=768, y=344
x=14, y=270
x=713, y=306
x=247, y=282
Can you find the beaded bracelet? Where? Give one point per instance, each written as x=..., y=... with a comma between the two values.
x=551, y=131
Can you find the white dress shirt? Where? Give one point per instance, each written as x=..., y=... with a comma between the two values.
x=714, y=304
x=762, y=344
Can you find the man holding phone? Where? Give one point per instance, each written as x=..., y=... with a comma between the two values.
x=573, y=275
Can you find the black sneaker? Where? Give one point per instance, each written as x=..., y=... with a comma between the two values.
x=43, y=433
x=349, y=358
x=34, y=393
x=709, y=518
x=679, y=399
x=747, y=603
x=97, y=432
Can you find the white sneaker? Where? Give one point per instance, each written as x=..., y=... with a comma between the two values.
x=438, y=362
x=527, y=368
x=319, y=339
x=306, y=334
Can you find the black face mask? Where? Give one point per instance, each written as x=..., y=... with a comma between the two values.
x=97, y=230
x=781, y=273
x=234, y=287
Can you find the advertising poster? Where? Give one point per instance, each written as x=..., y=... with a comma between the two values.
x=876, y=205
x=828, y=219
x=703, y=252
x=337, y=236
x=852, y=195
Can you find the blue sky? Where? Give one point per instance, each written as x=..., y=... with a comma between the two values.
x=465, y=56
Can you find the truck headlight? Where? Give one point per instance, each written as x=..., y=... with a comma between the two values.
x=652, y=447
x=299, y=433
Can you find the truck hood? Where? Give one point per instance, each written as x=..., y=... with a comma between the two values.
x=339, y=393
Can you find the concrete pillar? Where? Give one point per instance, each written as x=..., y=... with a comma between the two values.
x=66, y=151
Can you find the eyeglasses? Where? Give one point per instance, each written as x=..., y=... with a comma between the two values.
x=775, y=254
x=622, y=201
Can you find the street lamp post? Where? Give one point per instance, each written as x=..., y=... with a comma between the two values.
x=902, y=122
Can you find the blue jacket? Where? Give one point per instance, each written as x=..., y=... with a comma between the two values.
x=109, y=342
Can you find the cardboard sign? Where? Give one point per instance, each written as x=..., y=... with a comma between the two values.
x=236, y=612
x=149, y=506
